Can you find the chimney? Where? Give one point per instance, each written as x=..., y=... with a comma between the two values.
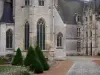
x=7, y=16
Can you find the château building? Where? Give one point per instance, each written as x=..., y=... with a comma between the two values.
x=59, y=27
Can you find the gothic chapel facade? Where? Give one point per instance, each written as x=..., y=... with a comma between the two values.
x=28, y=22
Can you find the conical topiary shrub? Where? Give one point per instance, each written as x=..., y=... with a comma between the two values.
x=18, y=59
x=42, y=58
x=28, y=60
x=38, y=67
x=32, y=61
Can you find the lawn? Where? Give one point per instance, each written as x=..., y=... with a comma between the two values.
x=13, y=70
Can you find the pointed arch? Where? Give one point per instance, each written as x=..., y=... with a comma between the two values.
x=9, y=38
x=41, y=33
x=59, y=39
x=27, y=28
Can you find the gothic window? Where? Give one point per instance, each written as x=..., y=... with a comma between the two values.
x=91, y=48
x=90, y=34
x=78, y=32
x=78, y=46
x=86, y=18
x=9, y=38
x=90, y=18
x=27, y=2
x=41, y=2
x=41, y=33
x=26, y=35
x=86, y=34
x=59, y=39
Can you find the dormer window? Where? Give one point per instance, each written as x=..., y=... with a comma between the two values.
x=41, y=2
x=78, y=18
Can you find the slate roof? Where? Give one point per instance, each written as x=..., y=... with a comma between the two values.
x=7, y=16
x=68, y=8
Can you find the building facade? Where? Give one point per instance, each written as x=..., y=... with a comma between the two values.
x=25, y=23
x=59, y=28
x=90, y=29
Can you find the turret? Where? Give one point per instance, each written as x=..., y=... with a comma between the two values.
x=7, y=16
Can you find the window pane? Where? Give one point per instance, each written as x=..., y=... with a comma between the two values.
x=41, y=39
x=27, y=2
x=78, y=46
x=10, y=42
x=41, y=2
x=9, y=38
x=7, y=42
x=27, y=35
x=37, y=34
x=41, y=34
x=59, y=39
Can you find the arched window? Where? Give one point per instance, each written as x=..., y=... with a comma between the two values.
x=41, y=33
x=41, y=2
x=59, y=39
x=9, y=38
x=26, y=35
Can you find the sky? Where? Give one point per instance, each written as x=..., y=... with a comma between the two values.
x=86, y=0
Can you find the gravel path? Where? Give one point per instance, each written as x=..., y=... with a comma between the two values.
x=80, y=58
x=84, y=68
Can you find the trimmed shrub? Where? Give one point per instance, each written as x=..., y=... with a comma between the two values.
x=2, y=62
x=18, y=59
x=32, y=61
x=28, y=60
x=98, y=54
x=42, y=58
x=38, y=67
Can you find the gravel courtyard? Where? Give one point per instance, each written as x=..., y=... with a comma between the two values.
x=84, y=67
x=76, y=65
